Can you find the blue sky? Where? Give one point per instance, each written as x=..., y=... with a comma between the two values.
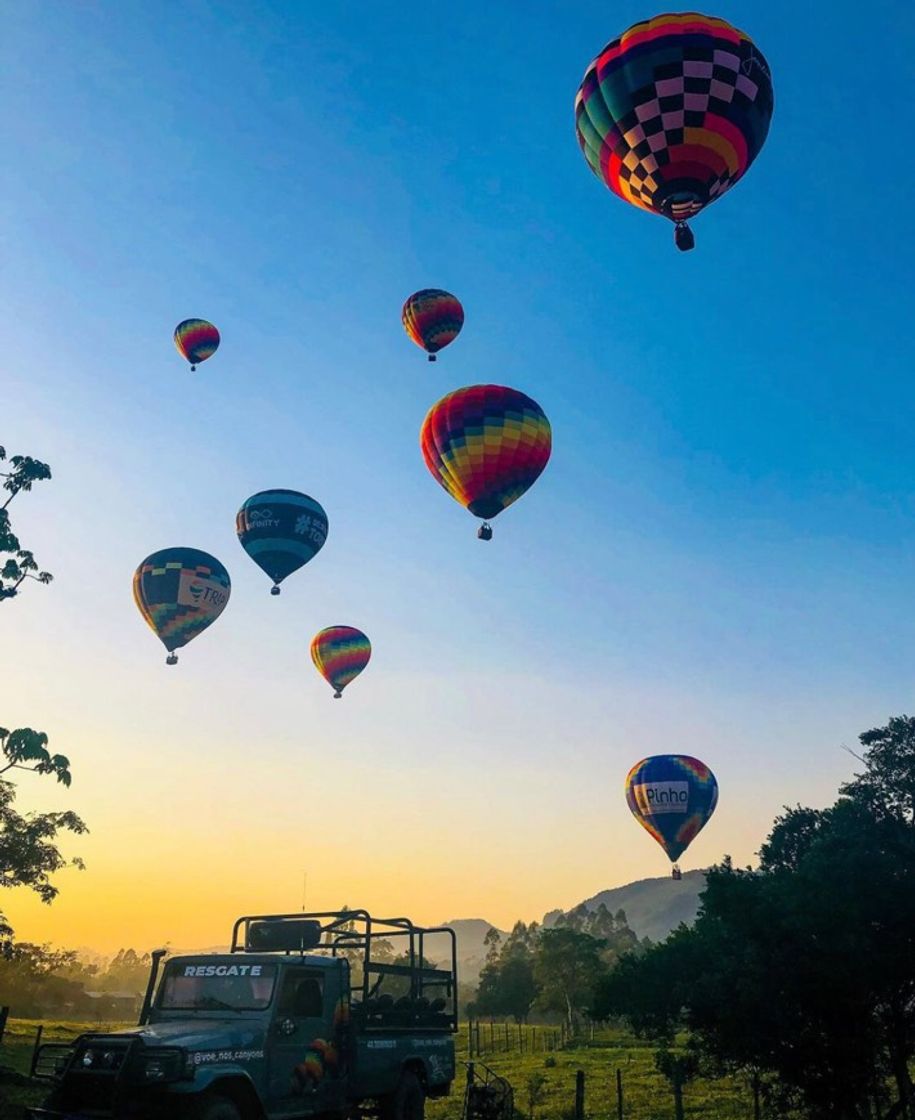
x=718, y=558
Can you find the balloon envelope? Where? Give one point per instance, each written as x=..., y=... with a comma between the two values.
x=180, y=591
x=281, y=530
x=196, y=340
x=486, y=445
x=672, y=796
x=672, y=113
x=340, y=653
x=432, y=318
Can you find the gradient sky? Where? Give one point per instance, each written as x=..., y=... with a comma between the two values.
x=718, y=560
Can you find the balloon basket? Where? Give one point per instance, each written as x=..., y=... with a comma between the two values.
x=676, y=873
x=338, y=695
x=684, y=237
x=274, y=590
x=485, y=532
x=193, y=369
x=172, y=659
x=432, y=358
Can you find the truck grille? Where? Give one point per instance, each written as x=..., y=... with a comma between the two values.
x=96, y=1073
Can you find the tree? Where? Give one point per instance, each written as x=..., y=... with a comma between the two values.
x=507, y=987
x=127, y=971
x=612, y=929
x=567, y=967
x=28, y=851
x=24, y=474
x=803, y=971
x=493, y=943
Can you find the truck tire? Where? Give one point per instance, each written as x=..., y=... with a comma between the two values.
x=210, y=1106
x=408, y=1101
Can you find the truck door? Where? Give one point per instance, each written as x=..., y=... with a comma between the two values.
x=304, y=1066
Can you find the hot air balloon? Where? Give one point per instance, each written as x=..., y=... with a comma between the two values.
x=180, y=591
x=486, y=445
x=672, y=113
x=672, y=796
x=281, y=530
x=432, y=318
x=196, y=340
x=340, y=653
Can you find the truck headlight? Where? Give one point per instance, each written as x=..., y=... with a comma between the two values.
x=162, y=1065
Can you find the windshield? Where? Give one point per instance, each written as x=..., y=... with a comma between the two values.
x=217, y=987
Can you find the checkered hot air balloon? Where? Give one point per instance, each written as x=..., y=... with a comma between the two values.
x=486, y=445
x=196, y=340
x=672, y=796
x=340, y=653
x=432, y=318
x=180, y=592
x=672, y=113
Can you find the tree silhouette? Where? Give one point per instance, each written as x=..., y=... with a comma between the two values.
x=24, y=473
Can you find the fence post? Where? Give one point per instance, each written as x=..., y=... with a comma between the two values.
x=619, y=1094
x=756, y=1110
x=4, y=1015
x=38, y=1033
x=678, y=1096
x=520, y=1040
x=470, y=1038
x=507, y=1044
x=580, y=1095
x=477, y=1040
x=492, y=1036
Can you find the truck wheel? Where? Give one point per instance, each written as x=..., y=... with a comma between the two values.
x=408, y=1101
x=209, y=1106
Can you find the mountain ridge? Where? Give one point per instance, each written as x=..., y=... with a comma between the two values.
x=653, y=908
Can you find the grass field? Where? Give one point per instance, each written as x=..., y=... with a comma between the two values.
x=646, y=1095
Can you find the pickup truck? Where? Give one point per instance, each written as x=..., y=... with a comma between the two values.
x=336, y=1014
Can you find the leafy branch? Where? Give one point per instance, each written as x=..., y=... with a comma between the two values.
x=25, y=472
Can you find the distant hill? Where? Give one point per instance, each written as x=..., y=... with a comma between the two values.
x=471, y=950
x=653, y=907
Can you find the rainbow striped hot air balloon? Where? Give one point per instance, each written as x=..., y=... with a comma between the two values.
x=671, y=114
x=340, y=653
x=486, y=445
x=196, y=340
x=180, y=592
x=672, y=796
x=432, y=318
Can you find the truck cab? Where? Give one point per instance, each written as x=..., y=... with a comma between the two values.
x=327, y=1014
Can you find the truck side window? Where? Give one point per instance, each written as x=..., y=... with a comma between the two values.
x=302, y=996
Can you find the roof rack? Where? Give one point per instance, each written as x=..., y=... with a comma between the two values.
x=352, y=934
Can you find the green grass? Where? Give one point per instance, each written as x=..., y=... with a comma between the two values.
x=646, y=1095
x=16, y=1054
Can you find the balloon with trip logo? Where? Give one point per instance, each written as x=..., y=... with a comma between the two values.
x=432, y=318
x=281, y=530
x=196, y=340
x=671, y=114
x=672, y=796
x=340, y=653
x=486, y=445
x=180, y=591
